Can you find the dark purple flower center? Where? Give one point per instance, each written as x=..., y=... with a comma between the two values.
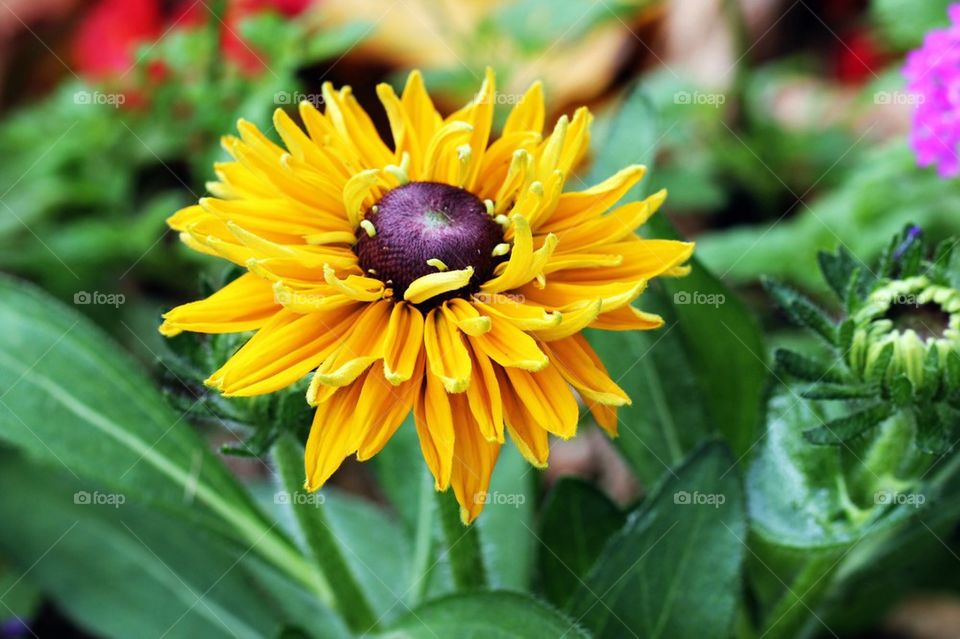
x=423, y=221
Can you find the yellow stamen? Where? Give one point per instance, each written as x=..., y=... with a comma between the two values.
x=437, y=264
x=368, y=226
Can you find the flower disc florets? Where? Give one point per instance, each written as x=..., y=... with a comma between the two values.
x=425, y=227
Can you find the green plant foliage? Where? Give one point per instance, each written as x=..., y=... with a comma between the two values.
x=489, y=614
x=675, y=567
x=576, y=522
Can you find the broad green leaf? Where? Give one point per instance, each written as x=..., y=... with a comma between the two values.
x=399, y=469
x=626, y=135
x=71, y=399
x=375, y=547
x=794, y=491
x=664, y=420
x=485, y=615
x=721, y=340
x=725, y=349
x=507, y=520
x=675, y=569
x=121, y=568
x=576, y=522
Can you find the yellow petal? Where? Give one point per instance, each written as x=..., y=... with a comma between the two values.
x=627, y=318
x=547, y=398
x=509, y=346
x=245, y=304
x=447, y=354
x=334, y=435
x=578, y=363
x=403, y=342
x=382, y=407
x=433, y=284
x=580, y=206
x=434, y=421
x=283, y=351
x=363, y=346
x=528, y=113
x=473, y=461
x=483, y=397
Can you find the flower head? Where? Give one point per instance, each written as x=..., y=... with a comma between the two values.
x=442, y=274
x=933, y=77
x=896, y=351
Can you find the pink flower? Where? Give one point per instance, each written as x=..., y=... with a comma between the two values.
x=933, y=81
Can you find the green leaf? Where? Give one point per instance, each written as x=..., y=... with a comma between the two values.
x=57, y=370
x=878, y=370
x=577, y=521
x=901, y=390
x=802, y=311
x=536, y=25
x=674, y=570
x=806, y=368
x=662, y=424
x=720, y=341
x=904, y=23
x=796, y=494
x=843, y=429
x=628, y=135
x=837, y=269
x=485, y=615
x=120, y=568
x=840, y=391
x=884, y=191
x=374, y=545
x=725, y=349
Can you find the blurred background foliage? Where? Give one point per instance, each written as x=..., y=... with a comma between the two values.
x=777, y=127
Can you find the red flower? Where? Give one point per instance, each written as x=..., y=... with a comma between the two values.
x=108, y=36
x=858, y=57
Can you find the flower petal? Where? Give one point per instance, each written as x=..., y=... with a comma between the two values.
x=434, y=419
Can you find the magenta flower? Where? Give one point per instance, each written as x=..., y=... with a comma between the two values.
x=933, y=82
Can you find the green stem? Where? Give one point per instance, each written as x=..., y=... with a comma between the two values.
x=423, y=551
x=797, y=607
x=309, y=510
x=462, y=546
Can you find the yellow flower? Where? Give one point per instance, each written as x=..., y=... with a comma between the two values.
x=443, y=273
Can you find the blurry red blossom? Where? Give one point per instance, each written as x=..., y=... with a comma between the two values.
x=108, y=35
